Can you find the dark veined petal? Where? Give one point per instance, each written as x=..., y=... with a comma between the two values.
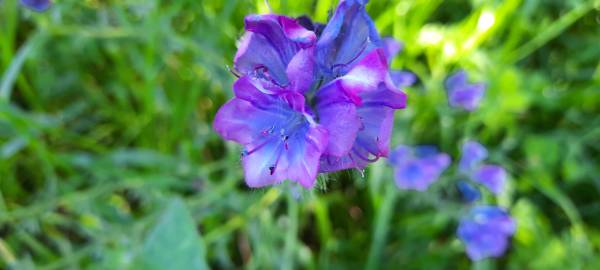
x=268, y=46
x=37, y=5
x=473, y=153
x=347, y=37
x=486, y=231
x=296, y=158
x=491, y=176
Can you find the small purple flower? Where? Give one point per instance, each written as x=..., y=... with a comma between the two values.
x=473, y=153
x=417, y=168
x=463, y=94
x=469, y=192
x=491, y=176
x=37, y=5
x=486, y=231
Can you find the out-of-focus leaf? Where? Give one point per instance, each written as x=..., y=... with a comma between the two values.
x=173, y=243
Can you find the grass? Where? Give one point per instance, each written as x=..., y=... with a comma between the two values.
x=106, y=111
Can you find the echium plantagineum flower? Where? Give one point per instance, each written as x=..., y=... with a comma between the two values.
x=37, y=5
x=471, y=163
x=417, y=167
x=463, y=94
x=486, y=231
x=305, y=104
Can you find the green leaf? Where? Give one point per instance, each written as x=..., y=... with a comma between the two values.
x=173, y=243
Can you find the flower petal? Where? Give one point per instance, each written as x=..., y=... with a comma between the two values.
x=491, y=176
x=348, y=36
x=392, y=47
x=275, y=161
x=37, y=5
x=269, y=45
x=473, y=153
x=403, y=79
x=300, y=70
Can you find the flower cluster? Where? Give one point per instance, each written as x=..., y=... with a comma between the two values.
x=37, y=5
x=311, y=98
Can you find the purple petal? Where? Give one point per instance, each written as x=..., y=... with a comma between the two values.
x=417, y=168
x=269, y=45
x=300, y=70
x=491, y=176
x=469, y=192
x=485, y=231
x=392, y=47
x=37, y=5
x=275, y=161
x=348, y=36
x=365, y=76
x=403, y=78
x=357, y=158
x=342, y=123
x=473, y=153
x=376, y=130
x=462, y=94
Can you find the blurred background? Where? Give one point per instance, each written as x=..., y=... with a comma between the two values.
x=108, y=159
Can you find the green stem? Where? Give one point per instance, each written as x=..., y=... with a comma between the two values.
x=382, y=224
x=292, y=232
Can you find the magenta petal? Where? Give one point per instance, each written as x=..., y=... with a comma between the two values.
x=367, y=73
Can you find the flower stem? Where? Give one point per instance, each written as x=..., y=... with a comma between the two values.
x=292, y=233
x=382, y=222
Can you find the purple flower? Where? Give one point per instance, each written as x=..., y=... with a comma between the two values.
x=486, y=231
x=461, y=93
x=37, y=5
x=491, y=176
x=416, y=168
x=473, y=153
x=304, y=106
x=469, y=192
x=280, y=137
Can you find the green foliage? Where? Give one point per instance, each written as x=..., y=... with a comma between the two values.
x=106, y=111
